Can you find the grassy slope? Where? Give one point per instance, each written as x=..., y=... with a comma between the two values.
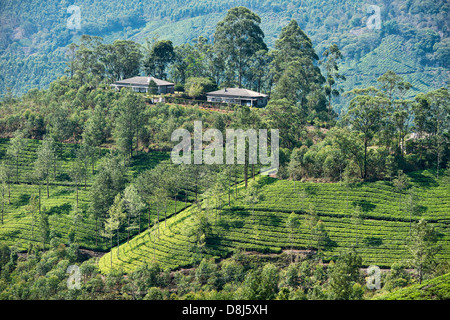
x=21, y=228
x=381, y=236
x=433, y=289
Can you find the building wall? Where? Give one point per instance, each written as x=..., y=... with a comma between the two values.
x=260, y=102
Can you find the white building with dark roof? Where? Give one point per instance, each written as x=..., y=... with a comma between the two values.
x=238, y=96
x=140, y=84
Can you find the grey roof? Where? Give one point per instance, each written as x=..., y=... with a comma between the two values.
x=143, y=81
x=237, y=92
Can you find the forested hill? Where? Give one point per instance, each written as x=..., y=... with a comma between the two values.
x=413, y=39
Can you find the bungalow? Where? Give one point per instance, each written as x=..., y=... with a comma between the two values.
x=140, y=84
x=238, y=96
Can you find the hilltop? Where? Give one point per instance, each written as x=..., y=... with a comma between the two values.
x=413, y=39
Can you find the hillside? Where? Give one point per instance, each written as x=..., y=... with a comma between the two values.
x=20, y=226
x=433, y=289
x=380, y=237
x=413, y=39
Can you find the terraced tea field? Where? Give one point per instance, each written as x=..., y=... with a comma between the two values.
x=380, y=236
x=20, y=221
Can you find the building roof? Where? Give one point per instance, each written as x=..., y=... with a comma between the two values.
x=237, y=92
x=143, y=81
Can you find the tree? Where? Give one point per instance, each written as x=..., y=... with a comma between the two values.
x=159, y=55
x=292, y=225
x=237, y=38
x=246, y=119
x=411, y=206
x=348, y=181
x=109, y=181
x=95, y=130
x=152, y=87
x=259, y=77
x=261, y=284
x=199, y=86
x=200, y=228
x=401, y=183
x=77, y=172
x=423, y=249
x=129, y=122
x=294, y=167
x=15, y=149
x=253, y=195
x=365, y=115
x=120, y=59
x=113, y=222
x=296, y=74
x=351, y=146
x=398, y=111
x=439, y=102
x=5, y=176
x=284, y=116
x=59, y=125
x=343, y=275
x=44, y=227
x=431, y=123
x=133, y=206
x=332, y=55
x=32, y=208
x=83, y=154
x=311, y=221
x=45, y=159
x=393, y=85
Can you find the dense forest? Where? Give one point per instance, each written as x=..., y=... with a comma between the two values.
x=87, y=180
x=413, y=39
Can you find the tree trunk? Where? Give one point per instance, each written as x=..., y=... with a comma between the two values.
x=111, y=251
x=39, y=198
x=157, y=210
x=48, y=193
x=149, y=211
x=165, y=213
x=96, y=231
x=118, y=242
x=128, y=229
x=175, y=210
x=245, y=172
x=365, y=158
x=3, y=202
x=137, y=141
x=17, y=169
x=229, y=188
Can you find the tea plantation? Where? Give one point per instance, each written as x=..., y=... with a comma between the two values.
x=380, y=234
x=20, y=219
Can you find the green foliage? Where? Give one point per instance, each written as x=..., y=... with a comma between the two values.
x=24, y=61
x=237, y=38
x=197, y=86
x=262, y=226
x=159, y=55
x=434, y=289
